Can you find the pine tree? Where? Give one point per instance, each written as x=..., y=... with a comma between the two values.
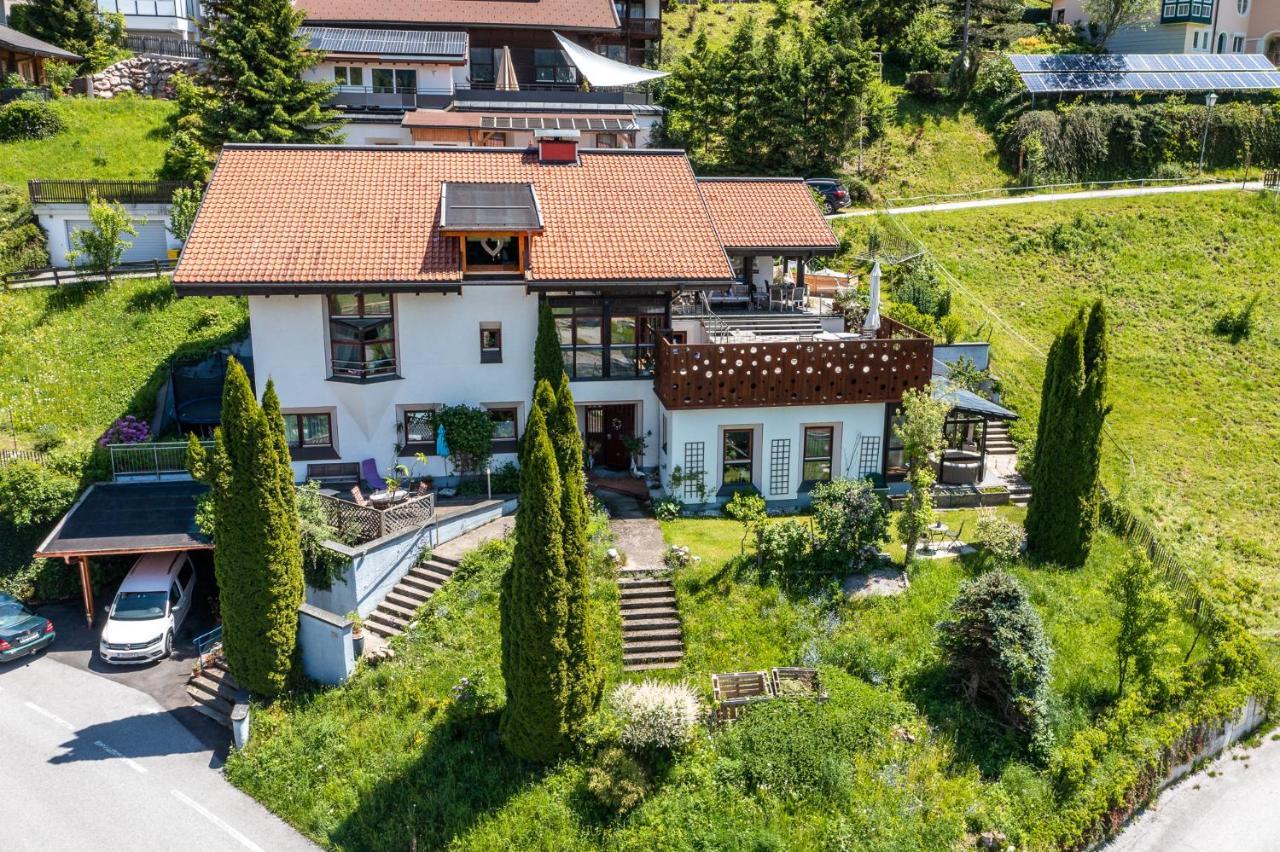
x=257, y=560
x=586, y=678
x=1063, y=514
x=548, y=362
x=74, y=25
x=253, y=80
x=534, y=610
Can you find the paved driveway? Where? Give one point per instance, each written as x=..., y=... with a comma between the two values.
x=1236, y=810
x=89, y=763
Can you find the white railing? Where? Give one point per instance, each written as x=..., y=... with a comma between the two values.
x=160, y=460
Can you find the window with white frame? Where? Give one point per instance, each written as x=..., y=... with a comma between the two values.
x=348, y=76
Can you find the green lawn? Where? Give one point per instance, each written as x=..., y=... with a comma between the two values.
x=1198, y=415
x=104, y=139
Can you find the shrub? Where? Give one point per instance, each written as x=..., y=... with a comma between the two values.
x=126, y=430
x=678, y=556
x=667, y=508
x=784, y=551
x=320, y=565
x=48, y=437
x=924, y=41
x=1237, y=325
x=22, y=240
x=851, y=521
x=99, y=248
x=617, y=781
x=910, y=316
x=469, y=432
x=1002, y=539
x=33, y=494
x=655, y=716
x=794, y=749
x=185, y=159
x=748, y=510
x=996, y=648
x=24, y=119
x=506, y=479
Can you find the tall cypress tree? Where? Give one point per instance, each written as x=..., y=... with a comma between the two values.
x=586, y=679
x=534, y=609
x=257, y=560
x=1063, y=515
x=548, y=362
x=253, y=78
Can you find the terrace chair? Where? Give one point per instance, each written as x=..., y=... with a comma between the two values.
x=373, y=479
x=422, y=489
x=950, y=540
x=358, y=496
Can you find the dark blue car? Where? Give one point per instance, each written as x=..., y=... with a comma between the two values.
x=22, y=632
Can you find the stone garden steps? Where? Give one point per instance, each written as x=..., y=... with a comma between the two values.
x=651, y=634
x=402, y=603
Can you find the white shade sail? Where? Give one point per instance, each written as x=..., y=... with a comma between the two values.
x=872, y=322
x=602, y=72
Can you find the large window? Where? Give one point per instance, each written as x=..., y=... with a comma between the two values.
x=387, y=80
x=308, y=434
x=362, y=335
x=483, y=65
x=609, y=340
x=486, y=255
x=737, y=457
x=552, y=66
x=818, y=441
x=345, y=76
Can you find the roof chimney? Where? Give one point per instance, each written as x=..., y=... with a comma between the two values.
x=557, y=146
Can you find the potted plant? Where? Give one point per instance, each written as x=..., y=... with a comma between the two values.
x=636, y=446
x=395, y=478
x=357, y=633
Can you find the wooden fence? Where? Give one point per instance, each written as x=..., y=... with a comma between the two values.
x=1271, y=179
x=1138, y=532
x=363, y=524
x=53, y=276
x=9, y=456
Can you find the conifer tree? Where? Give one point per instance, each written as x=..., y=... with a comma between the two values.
x=534, y=609
x=74, y=25
x=548, y=363
x=257, y=560
x=1063, y=514
x=586, y=679
x=252, y=87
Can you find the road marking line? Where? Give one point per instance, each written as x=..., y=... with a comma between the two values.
x=200, y=809
x=43, y=712
x=133, y=764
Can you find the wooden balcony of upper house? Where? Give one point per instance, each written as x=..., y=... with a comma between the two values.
x=746, y=369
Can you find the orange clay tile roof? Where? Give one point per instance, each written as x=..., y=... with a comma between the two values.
x=562, y=14
x=766, y=213
x=291, y=217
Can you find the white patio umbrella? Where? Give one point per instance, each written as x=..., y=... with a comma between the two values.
x=872, y=322
x=505, y=79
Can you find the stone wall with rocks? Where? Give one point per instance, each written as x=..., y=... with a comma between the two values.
x=145, y=74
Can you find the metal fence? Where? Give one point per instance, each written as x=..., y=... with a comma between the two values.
x=165, y=46
x=123, y=191
x=9, y=456
x=157, y=461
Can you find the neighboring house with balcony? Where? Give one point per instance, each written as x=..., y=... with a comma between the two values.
x=159, y=19
x=1184, y=26
x=385, y=283
x=62, y=208
x=482, y=56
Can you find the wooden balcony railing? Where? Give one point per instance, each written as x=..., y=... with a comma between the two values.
x=773, y=373
x=124, y=191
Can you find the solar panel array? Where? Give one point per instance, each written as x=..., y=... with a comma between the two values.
x=551, y=122
x=1156, y=72
x=406, y=43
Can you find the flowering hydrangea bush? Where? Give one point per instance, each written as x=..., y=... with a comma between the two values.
x=126, y=430
x=655, y=715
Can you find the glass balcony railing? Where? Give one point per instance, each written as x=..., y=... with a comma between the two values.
x=189, y=9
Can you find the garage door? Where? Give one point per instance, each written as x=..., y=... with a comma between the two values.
x=149, y=244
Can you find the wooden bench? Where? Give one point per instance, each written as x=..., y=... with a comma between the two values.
x=796, y=681
x=334, y=473
x=733, y=691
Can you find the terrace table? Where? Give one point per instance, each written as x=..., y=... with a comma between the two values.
x=387, y=498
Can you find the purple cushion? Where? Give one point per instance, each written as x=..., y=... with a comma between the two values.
x=369, y=470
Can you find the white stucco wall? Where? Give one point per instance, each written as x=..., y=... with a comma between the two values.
x=432, y=77
x=851, y=424
x=387, y=132
x=54, y=218
x=438, y=346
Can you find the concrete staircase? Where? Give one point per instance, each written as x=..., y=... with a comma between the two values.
x=651, y=636
x=998, y=441
x=773, y=324
x=213, y=692
x=401, y=604
x=1020, y=495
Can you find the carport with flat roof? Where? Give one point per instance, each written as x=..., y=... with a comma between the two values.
x=115, y=518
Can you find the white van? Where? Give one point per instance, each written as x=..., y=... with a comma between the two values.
x=149, y=608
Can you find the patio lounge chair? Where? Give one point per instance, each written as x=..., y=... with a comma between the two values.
x=373, y=479
x=951, y=540
x=358, y=496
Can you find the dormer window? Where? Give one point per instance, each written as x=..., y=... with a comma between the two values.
x=493, y=223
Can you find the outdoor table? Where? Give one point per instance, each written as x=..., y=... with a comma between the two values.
x=936, y=531
x=381, y=497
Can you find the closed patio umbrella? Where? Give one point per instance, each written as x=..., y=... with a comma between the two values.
x=872, y=322
x=506, y=76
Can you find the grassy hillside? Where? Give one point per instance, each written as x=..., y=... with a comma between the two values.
x=681, y=22
x=1198, y=415
x=118, y=138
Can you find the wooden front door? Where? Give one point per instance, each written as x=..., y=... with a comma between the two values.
x=607, y=425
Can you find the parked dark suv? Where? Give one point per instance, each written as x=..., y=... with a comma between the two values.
x=833, y=192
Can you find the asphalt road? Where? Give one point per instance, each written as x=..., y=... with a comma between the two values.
x=1236, y=810
x=88, y=763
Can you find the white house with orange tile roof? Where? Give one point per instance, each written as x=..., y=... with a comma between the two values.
x=384, y=283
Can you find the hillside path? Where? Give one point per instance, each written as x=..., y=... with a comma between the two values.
x=1052, y=196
